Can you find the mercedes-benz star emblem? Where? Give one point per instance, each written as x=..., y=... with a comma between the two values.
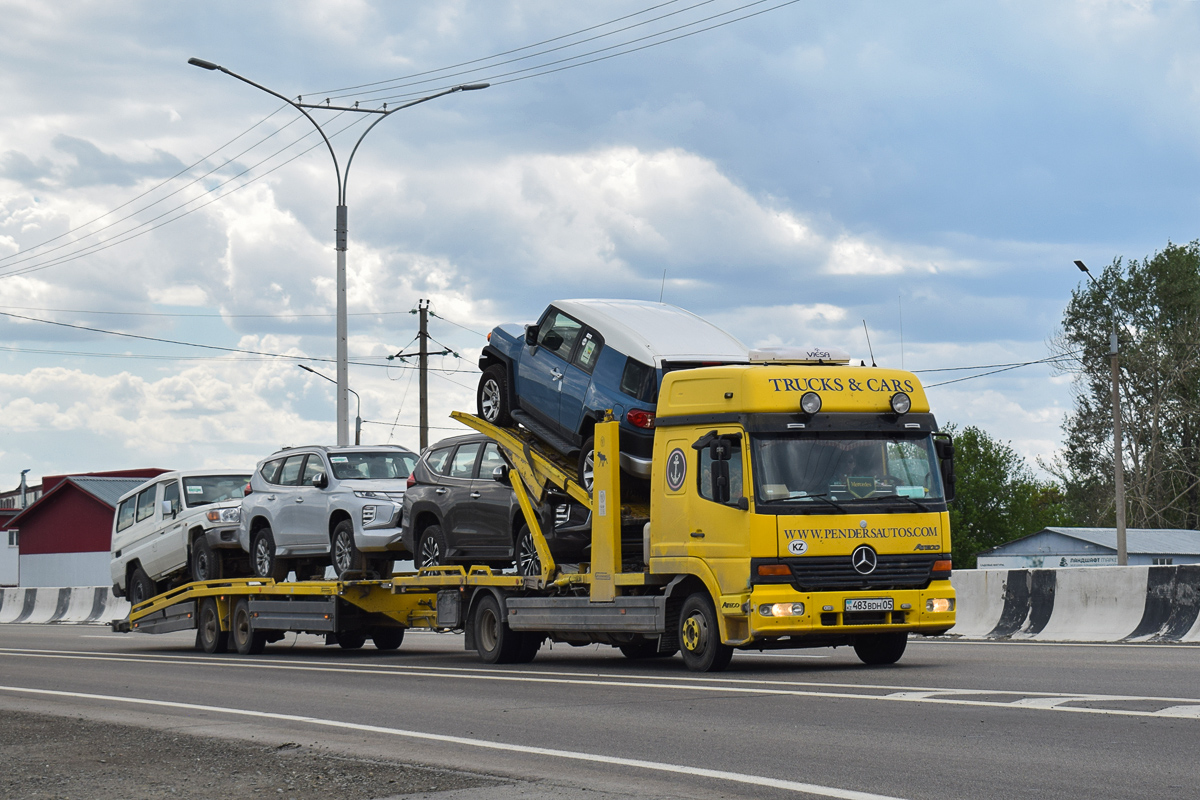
x=864, y=560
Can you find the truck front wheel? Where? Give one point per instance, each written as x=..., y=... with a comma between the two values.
x=700, y=637
x=248, y=641
x=880, y=648
x=209, y=635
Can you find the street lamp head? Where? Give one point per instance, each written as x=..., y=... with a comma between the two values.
x=470, y=87
x=1082, y=266
x=200, y=62
x=308, y=369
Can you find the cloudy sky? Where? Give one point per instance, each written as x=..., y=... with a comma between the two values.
x=930, y=167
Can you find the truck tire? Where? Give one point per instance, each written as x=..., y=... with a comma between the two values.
x=700, y=637
x=527, y=562
x=492, y=396
x=387, y=638
x=880, y=648
x=262, y=556
x=351, y=640
x=248, y=641
x=141, y=588
x=496, y=642
x=209, y=636
x=431, y=552
x=347, y=559
x=206, y=563
x=587, y=468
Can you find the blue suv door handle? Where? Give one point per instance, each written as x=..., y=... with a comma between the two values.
x=555, y=375
x=474, y=495
x=439, y=490
x=299, y=499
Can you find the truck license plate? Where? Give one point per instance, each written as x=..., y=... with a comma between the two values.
x=869, y=604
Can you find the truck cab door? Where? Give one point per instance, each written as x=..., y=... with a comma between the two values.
x=719, y=528
x=542, y=367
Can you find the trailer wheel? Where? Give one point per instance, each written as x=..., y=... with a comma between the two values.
x=209, y=636
x=141, y=588
x=431, y=552
x=351, y=640
x=206, y=564
x=496, y=642
x=388, y=638
x=248, y=641
x=528, y=563
x=880, y=648
x=262, y=550
x=700, y=637
x=492, y=396
x=347, y=558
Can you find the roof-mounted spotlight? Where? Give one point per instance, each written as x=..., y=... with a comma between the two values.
x=901, y=403
x=810, y=402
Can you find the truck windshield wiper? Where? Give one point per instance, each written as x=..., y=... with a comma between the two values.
x=820, y=497
x=905, y=497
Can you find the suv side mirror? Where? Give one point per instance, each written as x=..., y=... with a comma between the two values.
x=531, y=334
x=168, y=509
x=320, y=480
x=500, y=475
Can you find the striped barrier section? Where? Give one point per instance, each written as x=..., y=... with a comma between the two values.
x=72, y=605
x=1086, y=604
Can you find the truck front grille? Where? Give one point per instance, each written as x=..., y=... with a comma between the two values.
x=822, y=573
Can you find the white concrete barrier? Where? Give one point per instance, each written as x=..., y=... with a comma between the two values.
x=52, y=604
x=1086, y=604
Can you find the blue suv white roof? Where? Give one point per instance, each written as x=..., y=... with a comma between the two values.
x=656, y=332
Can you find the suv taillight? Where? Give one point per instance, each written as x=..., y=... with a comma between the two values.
x=412, y=480
x=640, y=418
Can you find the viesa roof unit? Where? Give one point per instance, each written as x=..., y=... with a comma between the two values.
x=656, y=333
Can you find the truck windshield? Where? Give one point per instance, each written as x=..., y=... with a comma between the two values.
x=371, y=466
x=811, y=469
x=204, y=489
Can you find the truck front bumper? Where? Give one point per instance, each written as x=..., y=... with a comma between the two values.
x=774, y=611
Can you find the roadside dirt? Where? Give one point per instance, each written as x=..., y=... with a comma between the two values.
x=64, y=758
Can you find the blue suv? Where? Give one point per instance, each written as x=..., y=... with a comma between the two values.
x=583, y=357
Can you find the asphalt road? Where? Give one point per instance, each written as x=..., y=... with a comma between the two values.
x=951, y=720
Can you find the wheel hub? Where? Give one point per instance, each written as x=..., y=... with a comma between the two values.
x=694, y=631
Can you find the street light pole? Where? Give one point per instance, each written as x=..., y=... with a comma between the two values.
x=342, y=231
x=1118, y=461
x=358, y=415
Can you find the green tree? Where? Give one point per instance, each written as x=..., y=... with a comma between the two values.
x=997, y=496
x=1156, y=306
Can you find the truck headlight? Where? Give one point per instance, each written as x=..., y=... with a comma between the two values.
x=901, y=403
x=810, y=402
x=781, y=609
x=939, y=605
x=225, y=515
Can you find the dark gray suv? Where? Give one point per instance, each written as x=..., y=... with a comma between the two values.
x=456, y=511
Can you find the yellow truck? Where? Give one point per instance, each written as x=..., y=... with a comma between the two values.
x=792, y=503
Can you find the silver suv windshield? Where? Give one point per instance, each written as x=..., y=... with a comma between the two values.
x=371, y=466
x=204, y=489
x=845, y=468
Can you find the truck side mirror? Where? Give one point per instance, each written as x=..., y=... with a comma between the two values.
x=500, y=475
x=531, y=334
x=320, y=480
x=944, y=446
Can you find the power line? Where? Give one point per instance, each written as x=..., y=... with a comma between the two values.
x=456, y=324
x=183, y=315
x=1052, y=359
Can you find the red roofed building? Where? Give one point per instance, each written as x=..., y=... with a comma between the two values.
x=64, y=538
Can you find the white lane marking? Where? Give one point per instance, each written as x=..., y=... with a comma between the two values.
x=936, y=696
x=1049, y=702
x=924, y=642
x=657, y=766
x=1187, y=712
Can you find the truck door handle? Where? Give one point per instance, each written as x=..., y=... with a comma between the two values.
x=555, y=375
x=474, y=495
x=439, y=490
x=697, y=534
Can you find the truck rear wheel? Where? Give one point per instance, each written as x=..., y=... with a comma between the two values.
x=248, y=641
x=388, y=638
x=351, y=640
x=880, y=648
x=700, y=637
x=496, y=642
x=209, y=636
x=206, y=564
x=492, y=396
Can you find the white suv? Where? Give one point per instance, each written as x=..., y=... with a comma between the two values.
x=176, y=522
x=307, y=507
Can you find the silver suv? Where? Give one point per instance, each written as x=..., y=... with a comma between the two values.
x=307, y=507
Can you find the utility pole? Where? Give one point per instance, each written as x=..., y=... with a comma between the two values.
x=423, y=361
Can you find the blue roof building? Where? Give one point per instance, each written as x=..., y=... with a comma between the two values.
x=1093, y=547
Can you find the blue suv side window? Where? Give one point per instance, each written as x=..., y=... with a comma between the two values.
x=636, y=380
x=558, y=334
x=589, y=352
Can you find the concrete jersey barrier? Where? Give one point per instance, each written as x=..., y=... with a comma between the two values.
x=73, y=605
x=1086, y=604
